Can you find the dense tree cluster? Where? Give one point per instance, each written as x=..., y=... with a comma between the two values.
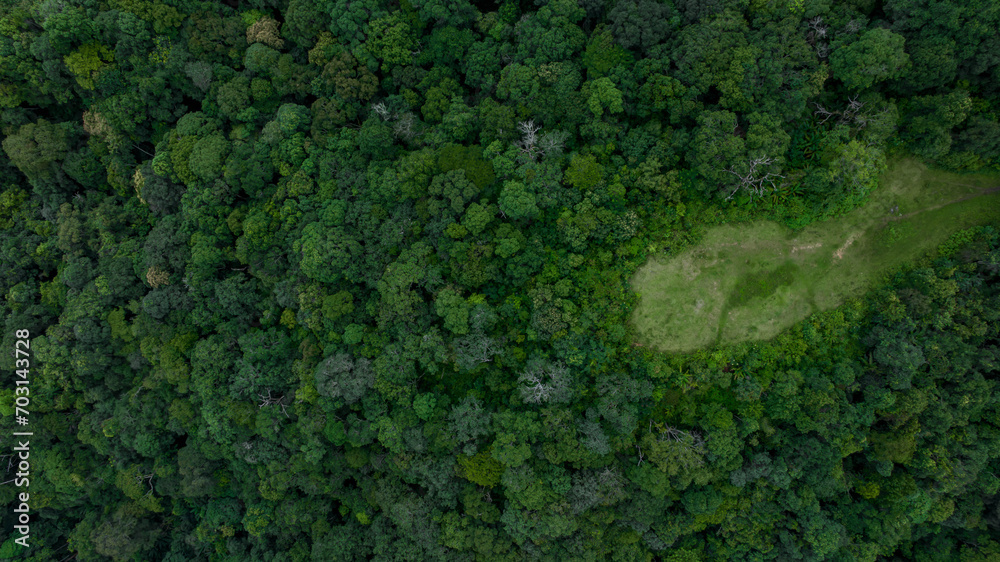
x=348, y=280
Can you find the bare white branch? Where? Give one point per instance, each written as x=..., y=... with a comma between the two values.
x=754, y=176
x=269, y=400
x=550, y=144
x=534, y=391
x=404, y=126
x=382, y=111
x=149, y=480
x=820, y=110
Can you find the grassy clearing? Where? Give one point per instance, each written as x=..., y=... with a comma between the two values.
x=751, y=281
x=761, y=284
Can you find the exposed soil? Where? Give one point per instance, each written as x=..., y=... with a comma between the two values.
x=850, y=240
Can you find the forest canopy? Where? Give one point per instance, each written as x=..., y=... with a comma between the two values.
x=349, y=280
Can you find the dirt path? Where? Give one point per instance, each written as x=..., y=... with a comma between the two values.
x=839, y=253
x=806, y=247
x=847, y=244
x=886, y=220
x=987, y=191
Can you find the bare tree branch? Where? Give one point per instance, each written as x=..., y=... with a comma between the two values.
x=272, y=401
x=382, y=111
x=755, y=176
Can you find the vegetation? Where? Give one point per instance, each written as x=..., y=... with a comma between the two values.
x=760, y=285
x=350, y=280
x=753, y=280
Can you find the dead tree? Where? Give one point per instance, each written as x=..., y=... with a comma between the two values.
x=269, y=400
x=404, y=126
x=754, y=176
x=404, y=122
x=545, y=383
x=382, y=111
x=816, y=24
x=529, y=139
x=149, y=480
x=534, y=391
x=248, y=455
x=817, y=36
x=857, y=114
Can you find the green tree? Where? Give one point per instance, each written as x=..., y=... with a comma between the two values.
x=930, y=121
x=38, y=149
x=516, y=202
x=603, y=94
x=641, y=24
x=124, y=532
x=87, y=62
x=602, y=54
x=326, y=253
x=341, y=376
x=876, y=56
x=716, y=149
x=454, y=310
x=234, y=96
x=390, y=39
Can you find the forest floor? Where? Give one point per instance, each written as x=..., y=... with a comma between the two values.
x=750, y=281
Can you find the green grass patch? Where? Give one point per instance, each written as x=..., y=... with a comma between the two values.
x=750, y=281
x=760, y=284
